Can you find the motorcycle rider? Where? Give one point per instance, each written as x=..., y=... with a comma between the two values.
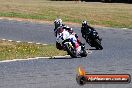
x=57, y=23
x=87, y=29
x=71, y=31
x=63, y=35
x=62, y=32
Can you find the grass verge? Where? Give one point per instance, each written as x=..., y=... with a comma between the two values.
x=22, y=50
x=103, y=14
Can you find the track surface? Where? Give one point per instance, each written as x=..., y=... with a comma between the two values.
x=116, y=57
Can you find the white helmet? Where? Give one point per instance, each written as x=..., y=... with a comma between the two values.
x=84, y=22
x=60, y=20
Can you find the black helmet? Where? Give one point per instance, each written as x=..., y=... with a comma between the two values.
x=84, y=23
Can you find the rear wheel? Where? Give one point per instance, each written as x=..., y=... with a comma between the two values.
x=98, y=45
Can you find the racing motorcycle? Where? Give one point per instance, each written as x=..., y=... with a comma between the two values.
x=68, y=46
x=93, y=40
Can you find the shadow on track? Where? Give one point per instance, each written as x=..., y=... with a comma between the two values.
x=94, y=49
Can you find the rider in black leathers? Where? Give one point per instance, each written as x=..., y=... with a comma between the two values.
x=86, y=29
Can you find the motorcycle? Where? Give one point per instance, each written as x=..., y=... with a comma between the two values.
x=93, y=40
x=68, y=46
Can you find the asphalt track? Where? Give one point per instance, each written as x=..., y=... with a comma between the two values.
x=116, y=57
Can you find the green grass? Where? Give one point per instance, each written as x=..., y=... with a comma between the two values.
x=104, y=14
x=23, y=50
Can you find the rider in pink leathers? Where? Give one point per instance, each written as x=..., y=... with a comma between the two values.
x=63, y=32
x=62, y=35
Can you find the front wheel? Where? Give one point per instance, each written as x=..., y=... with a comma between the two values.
x=83, y=54
x=83, y=34
x=71, y=51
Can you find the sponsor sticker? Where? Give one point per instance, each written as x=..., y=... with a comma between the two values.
x=85, y=78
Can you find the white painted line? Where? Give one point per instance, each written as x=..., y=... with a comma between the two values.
x=10, y=40
x=43, y=57
x=16, y=60
x=30, y=42
x=10, y=19
x=18, y=41
x=25, y=59
x=20, y=59
x=38, y=43
x=88, y=51
x=44, y=44
x=3, y=39
x=124, y=28
x=13, y=60
x=31, y=58
x=6, y=61
x=67, y=56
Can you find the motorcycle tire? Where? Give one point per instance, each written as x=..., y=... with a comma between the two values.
x=84, y=54
x=98, y=45
x=71, y=51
